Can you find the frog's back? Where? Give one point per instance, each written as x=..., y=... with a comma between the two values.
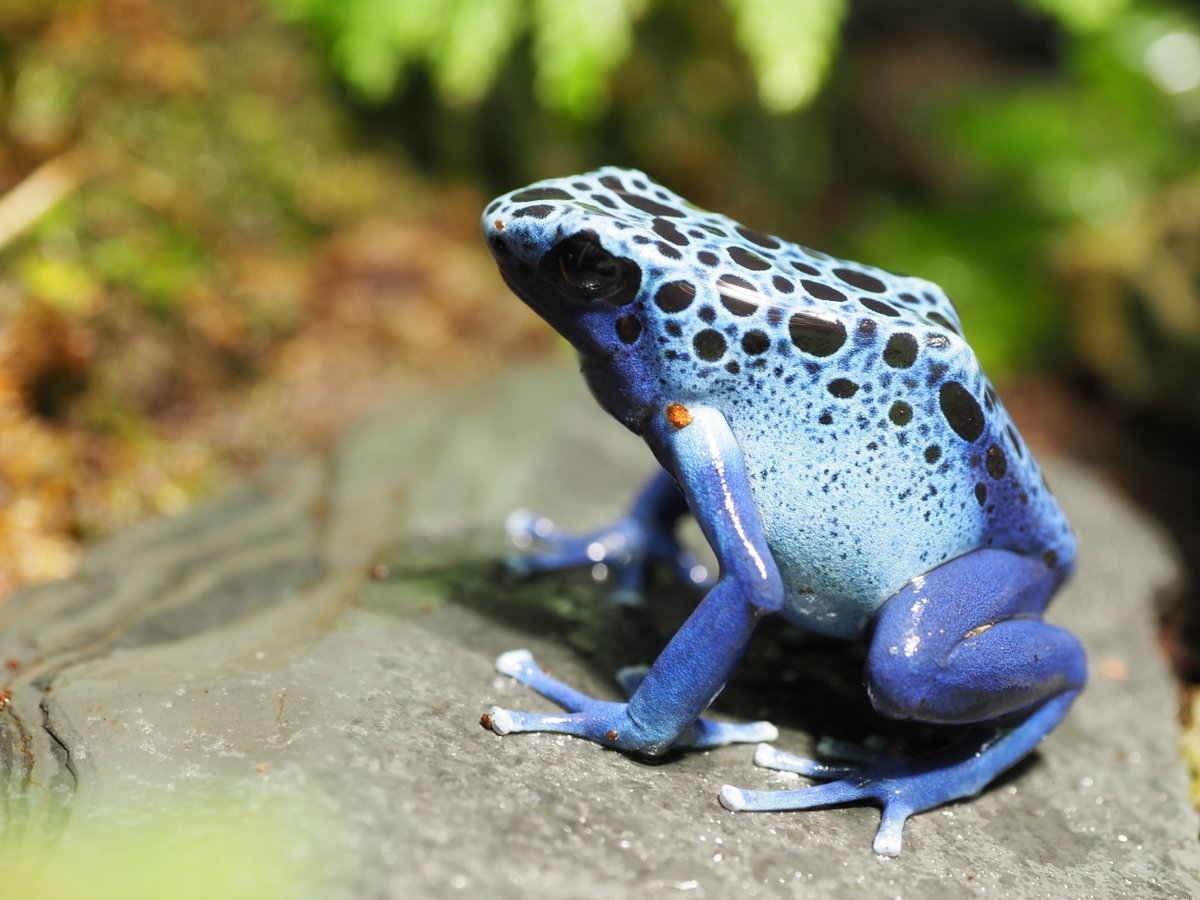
x=875, y=446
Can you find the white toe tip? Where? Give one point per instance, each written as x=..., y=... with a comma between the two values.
x=886, y=846
x=766, y=731
x=766, y=756
x=514, y=662
x=732, y=798
x=501, y=720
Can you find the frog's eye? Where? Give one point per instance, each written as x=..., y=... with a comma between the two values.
x=588, y=271
x=588, y=268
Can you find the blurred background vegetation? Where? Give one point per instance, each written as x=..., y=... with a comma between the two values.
x=226, y=226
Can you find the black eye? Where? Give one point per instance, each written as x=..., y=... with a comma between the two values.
x=590, y=272
x=588, y=268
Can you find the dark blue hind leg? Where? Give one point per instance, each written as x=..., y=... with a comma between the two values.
x=963, y=644
x=626, y=549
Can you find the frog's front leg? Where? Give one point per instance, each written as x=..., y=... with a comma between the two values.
x=964, y=644
x=626, y=548
x=664, y=709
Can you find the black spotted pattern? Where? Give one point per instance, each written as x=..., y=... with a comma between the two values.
x=748, y=259
x=816, y=335
x=645, y=204
x=962, y=411
x=901, y=350
x=666, y=229
x=764, y=327
x=900, y=413
x=709, y=344
x=537, y=211
x=543, y=193
x=757, y=237
x=675, y=296
x=996, y=462
x=755, y=342
x=735, y=293
x=878, y=306
x=843, y=387
x=823, y=291
x=861, y=280
x=629, y=329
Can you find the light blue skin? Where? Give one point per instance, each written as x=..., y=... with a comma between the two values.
x=833, y=435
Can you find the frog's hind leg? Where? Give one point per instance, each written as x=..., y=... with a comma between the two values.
x=964, y=644
x=626, y=548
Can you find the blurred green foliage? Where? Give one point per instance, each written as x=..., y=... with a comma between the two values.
x=959, y=142
x=200, y=264
x=575, y=44
x=239, y=844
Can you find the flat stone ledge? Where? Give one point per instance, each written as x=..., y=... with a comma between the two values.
x=310, y=655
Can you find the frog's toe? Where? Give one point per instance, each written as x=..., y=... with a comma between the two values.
x=499, y=720
x=897, y=807
x=705, y=734
x=624, y=552
x=521, y=665
x=769, y=757
x=518, y=664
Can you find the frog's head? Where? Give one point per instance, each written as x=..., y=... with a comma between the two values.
x=567, y=247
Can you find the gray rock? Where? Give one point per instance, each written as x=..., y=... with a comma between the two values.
x=279, y=695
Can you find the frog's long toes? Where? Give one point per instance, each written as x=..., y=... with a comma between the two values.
x=889, y=839
x=705, y=734
x=516, y=664
x=769, y=757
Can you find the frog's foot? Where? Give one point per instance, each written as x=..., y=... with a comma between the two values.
x=625, y=551
x=903, y=787
x=606, y=722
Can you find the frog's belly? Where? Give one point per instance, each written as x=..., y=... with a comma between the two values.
x=845, y=544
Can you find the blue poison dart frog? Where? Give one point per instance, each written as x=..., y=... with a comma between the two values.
x=831, y=431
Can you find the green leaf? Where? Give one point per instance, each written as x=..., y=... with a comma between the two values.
x=790, y=45
x=478, y=36
x=576, y=44
x=1082, y=16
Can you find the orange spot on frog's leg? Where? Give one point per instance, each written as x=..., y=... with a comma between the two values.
x=678, y=415
x=498, y=224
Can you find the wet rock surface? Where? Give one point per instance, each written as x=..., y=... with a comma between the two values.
x=310, y=657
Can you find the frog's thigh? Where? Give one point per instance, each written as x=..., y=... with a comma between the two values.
x=966, y=643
